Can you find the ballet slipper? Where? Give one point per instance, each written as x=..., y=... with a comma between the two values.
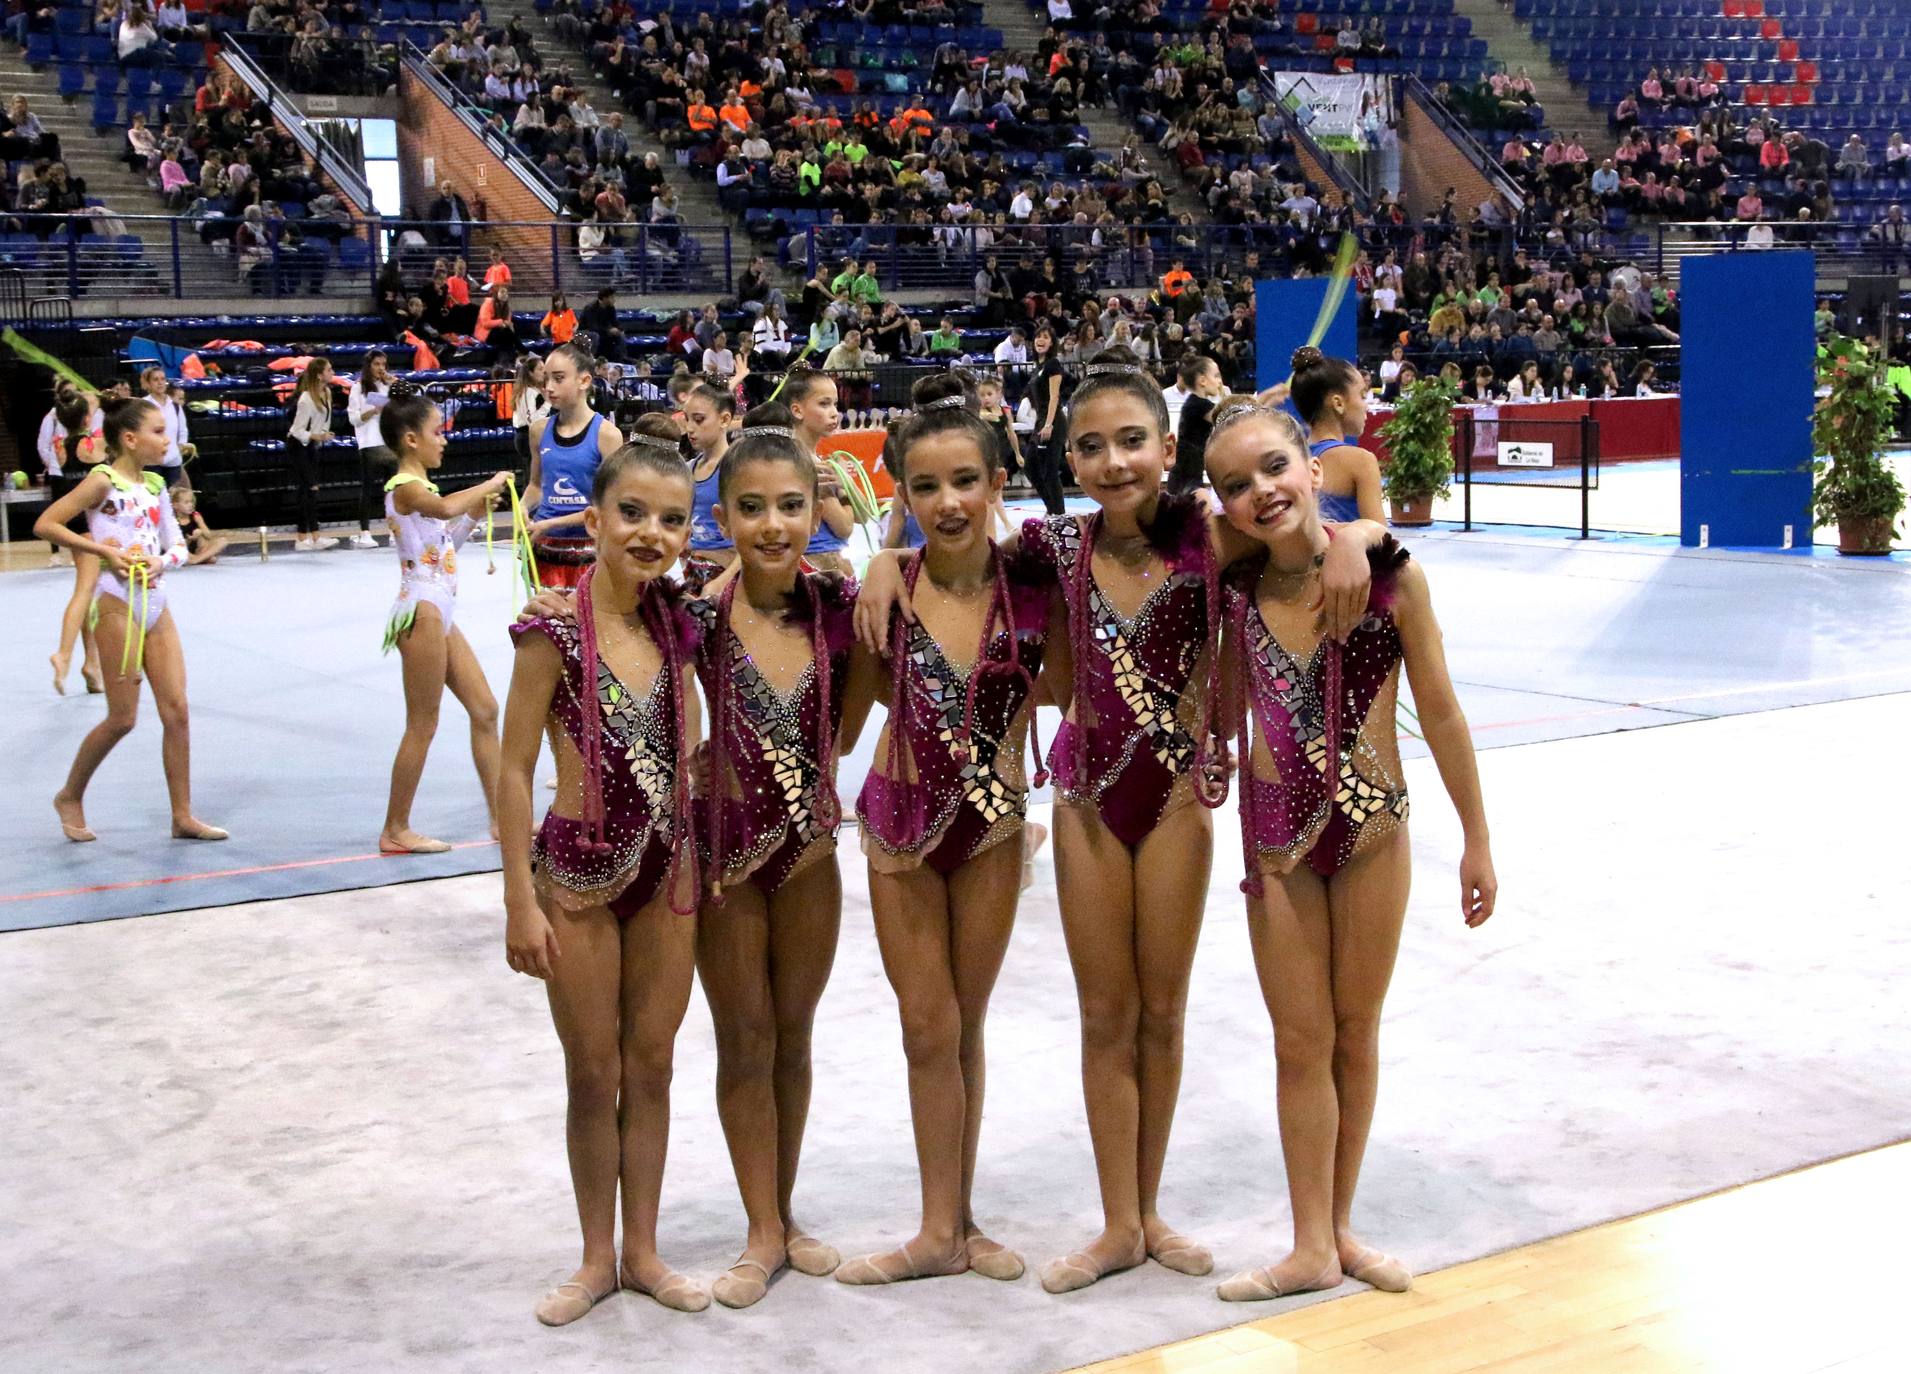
x=78, y=834
x=1258, y=1285
x=199, y=830
x=739, y=1290
x=1182, y=1255
x=567, y=1302
x=808, y=1255
x=95, y=684
x=865, y=1270
x=679, y=1292
x=1080, y=1269
x=1001, y=1263
x=1380, y=1271
x=421, y=845
x=60, y=670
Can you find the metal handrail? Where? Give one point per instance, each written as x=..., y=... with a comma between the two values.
x=507, y=151
x=330, y=160
x=1463, y=139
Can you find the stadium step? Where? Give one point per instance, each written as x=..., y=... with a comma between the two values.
x=1566, y=104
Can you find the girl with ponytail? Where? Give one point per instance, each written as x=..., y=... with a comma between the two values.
x=602, y=905
x=775, y=665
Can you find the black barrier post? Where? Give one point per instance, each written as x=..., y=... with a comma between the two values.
x=1588, y=436
x=1466, y=468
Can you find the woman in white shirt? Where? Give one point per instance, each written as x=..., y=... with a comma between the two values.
x=311, y=431
x=718, y=361
x=1390, y=369
x=155, y=387
x=1526, y=386
x=139, y=43
x=771, y=335
x=364, y=403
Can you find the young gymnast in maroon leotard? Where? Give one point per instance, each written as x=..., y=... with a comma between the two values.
x=603, y=905
x=1132, y=852
x=774, y=662
x=942, y=818
x=1323, y=816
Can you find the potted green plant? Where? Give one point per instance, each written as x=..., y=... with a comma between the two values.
x=1853, y=489
x=1419, y=441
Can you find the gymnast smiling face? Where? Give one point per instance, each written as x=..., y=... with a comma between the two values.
x=639, y=516
x=1266, y=479
x=950, y=480
x=768, y=510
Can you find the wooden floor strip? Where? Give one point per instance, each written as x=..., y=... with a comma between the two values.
x=1799, y=1274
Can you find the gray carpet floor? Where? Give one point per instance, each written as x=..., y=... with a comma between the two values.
x=326, y=1133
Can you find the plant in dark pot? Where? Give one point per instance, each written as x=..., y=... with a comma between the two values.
x=1419, y=441
x=1854, y=490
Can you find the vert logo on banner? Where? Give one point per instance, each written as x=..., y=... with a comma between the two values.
x=1528, y=455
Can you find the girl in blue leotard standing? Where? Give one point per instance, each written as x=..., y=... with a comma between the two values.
x=566, y=447
x=709, y=414
x=1331, y=396
x=811, y=397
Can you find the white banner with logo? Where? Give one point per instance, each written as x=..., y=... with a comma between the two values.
x=1342, y=112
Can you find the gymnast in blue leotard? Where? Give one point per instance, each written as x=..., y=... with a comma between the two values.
x=1330, y=395
x=709, y=414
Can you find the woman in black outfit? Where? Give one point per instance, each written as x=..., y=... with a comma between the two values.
x=1051, y=388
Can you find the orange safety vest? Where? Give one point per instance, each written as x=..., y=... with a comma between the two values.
x=1177, y=282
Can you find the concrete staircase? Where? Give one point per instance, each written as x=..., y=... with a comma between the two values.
x=1567, y=108
x=90, y=156
x=1022, y=29
x=698, y=198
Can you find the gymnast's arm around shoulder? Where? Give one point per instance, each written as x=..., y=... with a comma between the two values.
x=530, y=942
x=1447, y=736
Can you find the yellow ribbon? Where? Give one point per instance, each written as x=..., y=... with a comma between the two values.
x=142, y=589
x=521, y=541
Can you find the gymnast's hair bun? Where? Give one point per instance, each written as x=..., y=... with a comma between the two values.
x=1306, y=357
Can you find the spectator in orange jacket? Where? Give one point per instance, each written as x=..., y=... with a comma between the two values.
x=1177, y=280
x=499, y=272
x=701, y=118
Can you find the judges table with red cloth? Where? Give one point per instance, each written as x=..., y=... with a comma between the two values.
x=1629, y=430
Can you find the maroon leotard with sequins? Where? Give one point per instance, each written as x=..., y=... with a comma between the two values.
x=1313, y=720
x=964, y=793
x=640, y=757
x=781, y=811
x=1128, y=747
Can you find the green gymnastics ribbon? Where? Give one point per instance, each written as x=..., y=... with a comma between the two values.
x=853, y=478
x=142, y=592
x=521, y=541
x=1336, y=289
x=782, y=382
x=31, y=354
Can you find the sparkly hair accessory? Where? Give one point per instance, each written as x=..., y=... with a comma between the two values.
x=944, y=403
x=766, y=432
x=1240, y=410
x=403, y=388
x=1113, y=370
x=656, y=441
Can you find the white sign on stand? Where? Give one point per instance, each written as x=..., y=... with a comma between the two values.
x=1525, y=455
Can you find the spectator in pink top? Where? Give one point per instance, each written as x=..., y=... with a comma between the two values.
x=1651, y=93
x=1750, y=206
x=1772, y=156
x=1626, y=116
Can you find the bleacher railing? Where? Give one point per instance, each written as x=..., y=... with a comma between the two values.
x=343, y=171
x=103, y=254
x=1470, y=147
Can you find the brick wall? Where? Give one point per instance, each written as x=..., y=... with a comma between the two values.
x=427, y=128
x=1430, y=162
